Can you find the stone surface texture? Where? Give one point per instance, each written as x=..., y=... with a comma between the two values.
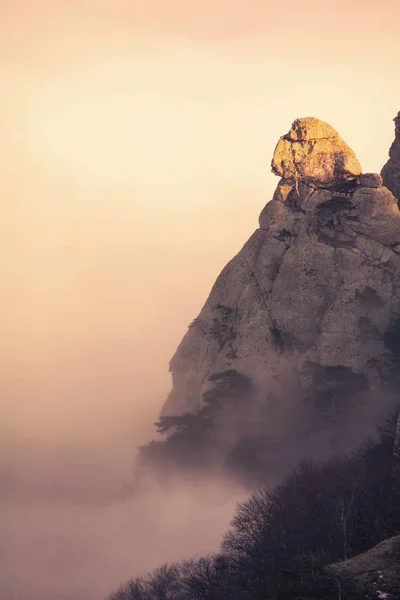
x=377, y=571
x=318, y=281
x=313, y=152
x=371, y=180
x=391, y=171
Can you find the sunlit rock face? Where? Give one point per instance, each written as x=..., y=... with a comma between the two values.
x=318, y=283
x=391, y=171
x=313, y=152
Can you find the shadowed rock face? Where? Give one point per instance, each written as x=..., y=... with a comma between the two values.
x=376, y=572
x=313, y=152
x=318, y=283
x=391, y=171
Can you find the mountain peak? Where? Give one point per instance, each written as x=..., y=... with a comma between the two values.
x=308, y=311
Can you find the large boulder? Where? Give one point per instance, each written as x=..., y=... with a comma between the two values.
x=391, y=171
x=313, y=152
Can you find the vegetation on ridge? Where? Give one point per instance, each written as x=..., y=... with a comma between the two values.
x=240, y=434
x=282, y=540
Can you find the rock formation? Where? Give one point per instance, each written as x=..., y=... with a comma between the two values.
x=391, y=171
x=377, y=571
x=312, y=152
x=315, y=292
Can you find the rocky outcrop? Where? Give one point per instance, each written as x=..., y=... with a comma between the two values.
x=391, y=171
x=376, y=572
x=315, y=289
x=313, y=152
x=370, y=180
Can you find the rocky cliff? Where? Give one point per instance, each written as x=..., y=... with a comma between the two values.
x=391, y=171
x=314, y=295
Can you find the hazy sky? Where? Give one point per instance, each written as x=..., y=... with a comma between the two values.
x=135, y=147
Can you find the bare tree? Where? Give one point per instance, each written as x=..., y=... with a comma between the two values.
x=163, y=583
